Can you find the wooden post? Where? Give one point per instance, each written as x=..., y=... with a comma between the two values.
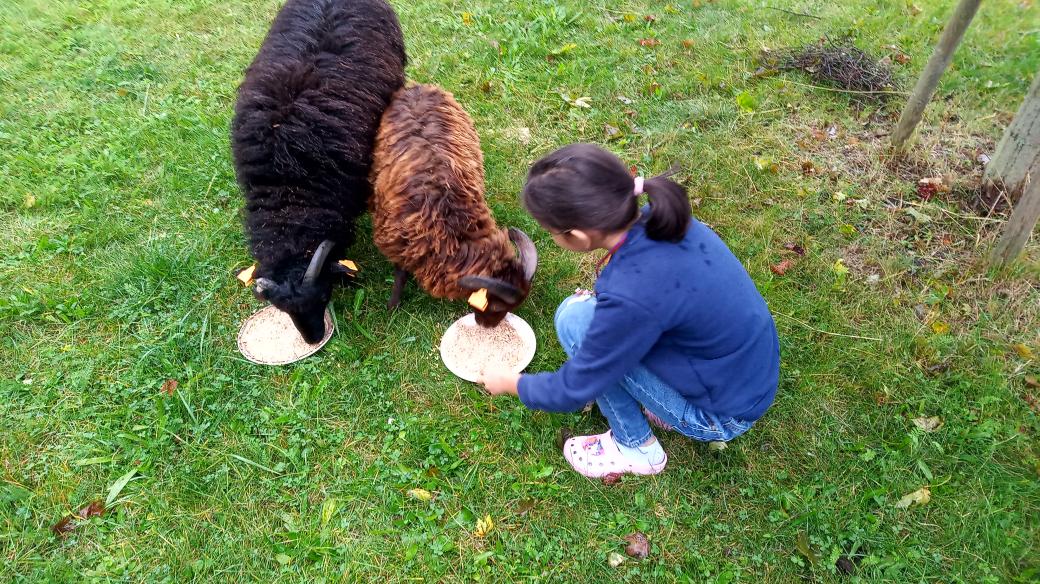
x=1019, y=226
x=926, y=84
x=1018, y=155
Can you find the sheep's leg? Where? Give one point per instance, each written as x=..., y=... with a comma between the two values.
x=400, y=279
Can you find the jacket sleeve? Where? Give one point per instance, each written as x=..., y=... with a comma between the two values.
x=622, y=332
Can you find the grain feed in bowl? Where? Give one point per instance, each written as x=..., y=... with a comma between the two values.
x=468, y=349
x=269, y=337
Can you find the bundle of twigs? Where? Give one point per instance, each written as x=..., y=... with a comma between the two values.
x=839, y=63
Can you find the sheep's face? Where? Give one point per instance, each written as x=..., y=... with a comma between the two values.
x=495, y=312
x=508, y=290
x=304, y=302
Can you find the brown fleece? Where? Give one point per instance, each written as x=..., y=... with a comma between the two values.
x=429, y=216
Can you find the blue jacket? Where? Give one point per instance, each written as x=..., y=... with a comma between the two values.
x=687, y=311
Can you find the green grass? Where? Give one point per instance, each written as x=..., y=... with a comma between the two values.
x=119, y=232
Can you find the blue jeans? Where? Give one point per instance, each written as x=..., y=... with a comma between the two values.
x=623, y=403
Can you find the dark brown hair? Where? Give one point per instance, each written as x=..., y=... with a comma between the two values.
x=582, y=186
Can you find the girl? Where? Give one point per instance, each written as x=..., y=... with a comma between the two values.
x=675, y=332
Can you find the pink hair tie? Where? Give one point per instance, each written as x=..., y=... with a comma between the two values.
x=639, y=186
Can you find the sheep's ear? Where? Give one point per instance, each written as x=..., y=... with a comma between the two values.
x=526, y=250
x=263, y=287
x=504, y=291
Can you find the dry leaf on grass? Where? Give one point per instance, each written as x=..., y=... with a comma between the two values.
x=649, y=42
x=612, y=479
x=929, y=424
x=919, y=497
x=781, y=268
x=795, y=248
x=615, y=559
x=169, y=386
x=67, y=524
x=420, y=494
x=1023, y=351
x=929, y=187
x=638, y=546
x=484, y=526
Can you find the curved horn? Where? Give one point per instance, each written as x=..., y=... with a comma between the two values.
x=528, y=253
x=504, y=290
x=317, y=261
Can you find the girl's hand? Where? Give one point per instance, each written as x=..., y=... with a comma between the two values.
x=500, y=382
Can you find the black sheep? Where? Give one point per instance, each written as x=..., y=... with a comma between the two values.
x=302, y=139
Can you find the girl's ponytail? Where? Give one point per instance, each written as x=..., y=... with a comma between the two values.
x=670, y=209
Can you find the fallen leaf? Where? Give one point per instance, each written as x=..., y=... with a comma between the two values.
x=929, y=187
x=940, y=328
x=915, y=9
x=653, y=88
x=633, y=170
x=839, y=267
x=808, y=168
x=919, y=497
x=650, y=42
x=169, y=386
x=687, y=43
x=839, y=196
x=30, y=201
x=63, y=527
x=467, y=18
x=94, y=509
x=1032, y=381
x=564, y=49
x=638, y=546
x=624, y=100
x=615, y=559
x=717, y=445
x=328, y=510
x=420, y=494
x=1023, y=351
x=629, y=18
x=901, y=58
x=612, y=132
x=525, y=507
x=794, y=247
x=929, y=424
x=802, y=543
x=921, y=312
x=845, y=566
x=484, y=526
x=650, y=18
x=612, y=479
x=781, y=268
x=767, y=165
x=68, y=523
x=746, y=101
x=282, y=559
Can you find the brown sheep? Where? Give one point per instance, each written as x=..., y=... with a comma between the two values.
x=429, y=217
